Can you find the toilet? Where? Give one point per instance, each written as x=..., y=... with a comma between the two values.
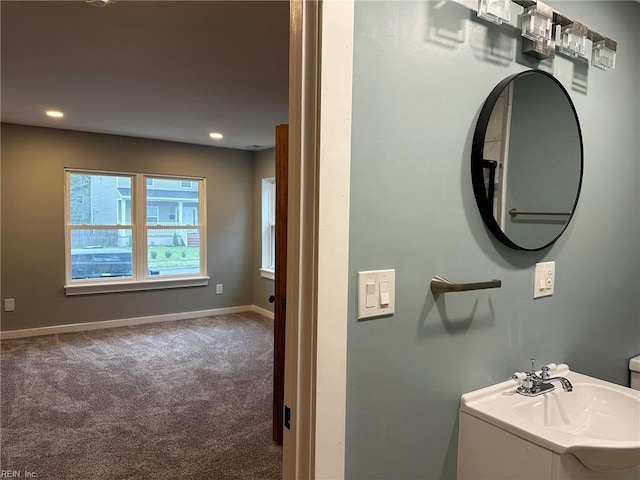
x=634, y=368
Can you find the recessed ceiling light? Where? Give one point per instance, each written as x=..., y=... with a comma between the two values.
x=216, y=135
x=54, y=114
x=99, y=3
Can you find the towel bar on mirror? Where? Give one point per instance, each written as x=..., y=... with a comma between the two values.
x=514, y=212
x=442, y=285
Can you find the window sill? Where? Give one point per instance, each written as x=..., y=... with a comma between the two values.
x=134, y=286
x=267, y=273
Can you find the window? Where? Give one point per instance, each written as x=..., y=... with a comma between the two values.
x=123, y=236
x=185, y=184
x=268, y=227
x=152, y=214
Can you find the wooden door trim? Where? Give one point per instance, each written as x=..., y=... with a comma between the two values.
x=280, y=287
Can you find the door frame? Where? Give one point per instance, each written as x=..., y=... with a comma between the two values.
x=321, y=42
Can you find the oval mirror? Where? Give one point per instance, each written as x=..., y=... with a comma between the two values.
x=527, y=160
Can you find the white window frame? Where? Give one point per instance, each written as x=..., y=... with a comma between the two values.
x=268, y=222
x=140, y=280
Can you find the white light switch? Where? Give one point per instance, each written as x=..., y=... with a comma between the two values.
x=371, y=294
x=384, y=294
x=376, y=293
x=544, y=279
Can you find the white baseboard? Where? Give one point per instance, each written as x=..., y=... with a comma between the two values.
x=80, y=327
x=262, y=311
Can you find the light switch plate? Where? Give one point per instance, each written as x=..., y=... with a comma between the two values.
x=374, y=301
x=544, y=279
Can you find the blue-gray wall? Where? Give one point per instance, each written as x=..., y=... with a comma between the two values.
x=422, y=71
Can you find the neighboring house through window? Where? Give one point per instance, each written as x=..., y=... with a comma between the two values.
x=129, y=231
x=268, y=227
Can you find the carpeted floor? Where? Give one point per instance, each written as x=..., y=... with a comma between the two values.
x=175, y=400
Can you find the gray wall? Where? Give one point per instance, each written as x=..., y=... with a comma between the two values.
x=417, y=95
x=264, y=166
x=33, y=162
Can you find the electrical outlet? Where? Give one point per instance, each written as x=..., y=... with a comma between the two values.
x=544, y=279
x=287, y=417
x=218, y=289
x=9, y=304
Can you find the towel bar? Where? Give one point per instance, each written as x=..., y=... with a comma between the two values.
x=514, y=212
x=442, y=285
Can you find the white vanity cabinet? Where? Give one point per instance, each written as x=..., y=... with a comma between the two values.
x=486, y=452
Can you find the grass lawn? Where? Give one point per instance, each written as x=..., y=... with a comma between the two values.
x=174, y=257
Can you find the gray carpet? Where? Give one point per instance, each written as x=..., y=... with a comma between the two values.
x=175, y=400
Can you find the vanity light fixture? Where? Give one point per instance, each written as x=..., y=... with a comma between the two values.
x=603, y=54
x=537, y=23
x=54, y=114
x=573, y=39
x=495, y=11
x=216, y=135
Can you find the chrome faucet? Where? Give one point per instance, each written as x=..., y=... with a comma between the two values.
x=532, y=384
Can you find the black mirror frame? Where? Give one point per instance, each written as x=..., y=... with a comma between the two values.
x=477, y=159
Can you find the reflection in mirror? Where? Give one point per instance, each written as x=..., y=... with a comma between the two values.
x=527, y=160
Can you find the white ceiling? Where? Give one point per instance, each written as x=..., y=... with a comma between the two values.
x=172, y=70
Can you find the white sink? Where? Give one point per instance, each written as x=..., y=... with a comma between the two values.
x=598, y=422
x=591, y=410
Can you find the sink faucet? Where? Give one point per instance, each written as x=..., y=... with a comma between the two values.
x=533, y=384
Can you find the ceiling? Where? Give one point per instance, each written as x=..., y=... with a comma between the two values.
x=170, y=70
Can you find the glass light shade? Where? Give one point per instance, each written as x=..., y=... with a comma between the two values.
x=573, y=40
x=603, y=56
x=496, y=11
x=535, y=25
